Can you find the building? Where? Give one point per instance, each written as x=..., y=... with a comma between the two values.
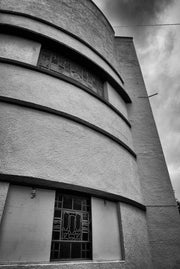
x=84, y=182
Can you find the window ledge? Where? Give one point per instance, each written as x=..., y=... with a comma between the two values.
x=59, y=263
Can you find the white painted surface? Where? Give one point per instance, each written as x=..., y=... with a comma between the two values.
x=4, y=187
x=20, y=49
x=32, y=86
x=116, y=100
x=26, y=230
x=135, y=235
x=43, y=145
x=81, y=18
x=105, y=230
x=162, y=215
x=60, y=36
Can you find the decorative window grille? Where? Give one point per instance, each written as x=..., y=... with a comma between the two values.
x=61, y=63
x=71, y=236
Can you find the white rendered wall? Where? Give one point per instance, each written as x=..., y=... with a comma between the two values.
x=26, y=229
x=162, y=215
x=43, y=145
x=105, y=230
x=59, y=36
x=81, y=18
x=4, y=186
x=20, y=49
x=115, y=99
x=32, y=86
x=135, y=235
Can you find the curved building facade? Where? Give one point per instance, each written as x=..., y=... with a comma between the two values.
x=83, y=183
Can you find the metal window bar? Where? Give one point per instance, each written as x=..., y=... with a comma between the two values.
x=71, y=235
x=60, y=63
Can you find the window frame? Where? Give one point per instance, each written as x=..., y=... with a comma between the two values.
x=68, y=65
x=84, y=245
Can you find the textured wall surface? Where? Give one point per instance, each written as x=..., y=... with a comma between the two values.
x=67, y=152
x=55, y=93
x=63, y=63
x=105, y=230
x=20, y=49
x=51, y=147
x=115, y=99
x=4, y=186
x=26, y=228
x=81, y=18
x=60, y=37
x=164, y=223
x=136, y=243
x=155, y=182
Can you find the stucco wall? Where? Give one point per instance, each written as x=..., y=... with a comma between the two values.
x=86, y=21
x=26, y=229
x=17, y=48
x=28, y=85
x=105, y=230
x=164, y=223
x=136, y=242
x=43, y=145
x=116, y=100
x=4, y=186
x=156, y=186
x=59, y=36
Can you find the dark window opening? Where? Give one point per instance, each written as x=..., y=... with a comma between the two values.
x=62, y=63
x=71, y=236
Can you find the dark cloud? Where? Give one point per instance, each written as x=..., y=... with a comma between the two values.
x=137, y=11
x=158, y=52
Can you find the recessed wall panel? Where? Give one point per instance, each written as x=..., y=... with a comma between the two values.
x=116, y=100
x=105, y=230
x=20, y=49
x=26, y=229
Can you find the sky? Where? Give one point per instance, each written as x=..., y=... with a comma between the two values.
x=158, y=50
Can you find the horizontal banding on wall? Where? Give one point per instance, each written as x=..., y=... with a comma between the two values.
x=68, y=116
x=40, y=182
x=62, y=38
x=67, y=79
x=87, y=23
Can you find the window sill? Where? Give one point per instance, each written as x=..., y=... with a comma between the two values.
x=63, y=264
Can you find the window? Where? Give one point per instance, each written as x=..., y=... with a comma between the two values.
x=71, y=236
x=63, y=64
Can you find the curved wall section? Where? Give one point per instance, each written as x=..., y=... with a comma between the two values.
x=66, y=142
x=71, y=183
x=20, y=49
x=55, y=93
x=87, y=21
x=24, y=213
x=67, y=152
x=19, y=22
x=115, y=100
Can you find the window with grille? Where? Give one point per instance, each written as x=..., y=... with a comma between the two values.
x=71, y=236
x=63, y=64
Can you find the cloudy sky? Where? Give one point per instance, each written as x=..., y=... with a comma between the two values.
x=158, y=50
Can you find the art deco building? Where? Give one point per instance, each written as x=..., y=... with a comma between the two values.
x=84, y=182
